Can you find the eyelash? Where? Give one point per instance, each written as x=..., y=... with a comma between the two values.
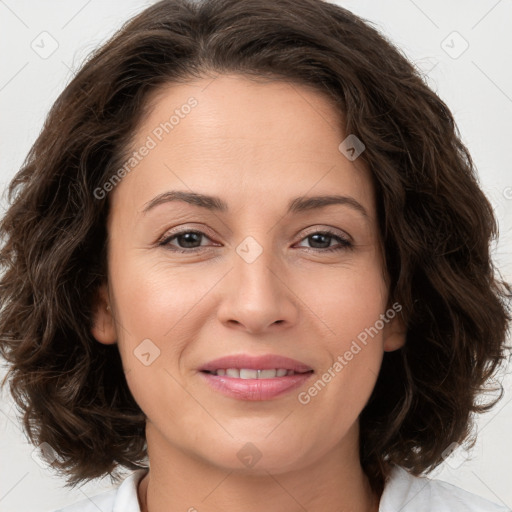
x=344, y=243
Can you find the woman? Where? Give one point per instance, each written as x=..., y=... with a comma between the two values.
x=248, y=258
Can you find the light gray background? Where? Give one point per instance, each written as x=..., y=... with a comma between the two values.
x=476, y=84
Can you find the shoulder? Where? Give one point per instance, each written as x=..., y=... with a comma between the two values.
x=408, y=493
x=121, y=499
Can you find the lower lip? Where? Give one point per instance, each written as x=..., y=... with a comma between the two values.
x=255, y=389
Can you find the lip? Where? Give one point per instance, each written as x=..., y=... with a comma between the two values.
x=255, y=389
x=264, y=362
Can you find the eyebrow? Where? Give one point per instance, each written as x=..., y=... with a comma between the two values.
x=213, y=203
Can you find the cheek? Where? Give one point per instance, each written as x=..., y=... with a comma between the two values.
x=152, y=310
x=158, y=313
x=152, y=300
x=349, y=304
x=352, y=351
x=348, y=301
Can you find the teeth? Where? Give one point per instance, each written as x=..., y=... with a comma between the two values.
x=249, y=374
x=246, y=373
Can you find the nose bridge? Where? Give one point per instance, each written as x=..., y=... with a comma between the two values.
x=257, y=296
x=254, y=269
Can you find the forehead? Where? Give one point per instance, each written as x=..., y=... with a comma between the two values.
x=233, y=133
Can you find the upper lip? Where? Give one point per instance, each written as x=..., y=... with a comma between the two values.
x=265, y=362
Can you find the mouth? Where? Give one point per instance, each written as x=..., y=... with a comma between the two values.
x=246, y=366
x=246, y=377
x=250, y=373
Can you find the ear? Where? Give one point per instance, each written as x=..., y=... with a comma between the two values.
x=394, y=333
x=103, y=325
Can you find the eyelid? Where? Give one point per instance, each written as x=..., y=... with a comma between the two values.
x=345, y=241
x=309, y=230
x=178, y=230
x=317, y=228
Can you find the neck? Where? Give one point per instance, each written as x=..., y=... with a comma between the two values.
x=179, y=481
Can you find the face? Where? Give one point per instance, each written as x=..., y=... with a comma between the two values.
x=261, y=271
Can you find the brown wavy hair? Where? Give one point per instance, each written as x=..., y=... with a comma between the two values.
x=435, y=223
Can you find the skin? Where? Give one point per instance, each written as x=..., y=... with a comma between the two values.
x=255, y=145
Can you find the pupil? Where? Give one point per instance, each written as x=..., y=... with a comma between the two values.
x=319, y=235
x=190, y=238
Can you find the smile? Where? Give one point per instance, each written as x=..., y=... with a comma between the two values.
x=250, y=373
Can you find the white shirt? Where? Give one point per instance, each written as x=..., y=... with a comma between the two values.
x=403, y=492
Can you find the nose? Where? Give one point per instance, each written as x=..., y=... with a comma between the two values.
x=255, y=294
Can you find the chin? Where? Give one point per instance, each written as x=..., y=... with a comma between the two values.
x=256, y=455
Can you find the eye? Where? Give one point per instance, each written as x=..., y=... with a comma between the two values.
x=324, y=238
x=190, y=241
